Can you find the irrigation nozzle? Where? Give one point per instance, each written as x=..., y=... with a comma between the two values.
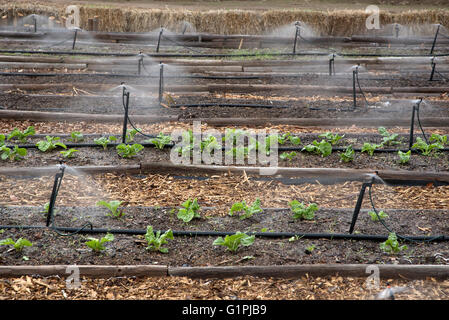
x=161, y=81
x=358, y=205
x=332, y=64
x=397, y=29
x=140, y=63
x=355, y=75
x=159, y=39
x=415, y=109
x=435, y=39
x=54, y=193
x=297, y=34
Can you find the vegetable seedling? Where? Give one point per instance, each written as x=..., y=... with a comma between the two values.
x=388, y=139
x=129, y=151
x=233, y=242
x=391, y=245
x=287, y=155
x=294, y=140
x=156, y=240
x=14, y=154
x=301, y=211
x=370, y=147
x=22, y=136
x=68, y=153
x=160, y=141
x=76, y=137
x=50, y=144
x=348, y=155
x=332, y=138
x=249, y=211
x=323, y=147
x=426, y=149
x=375, y=217
x=17, y=245
x=97, y=245
x=131, y=134
x=441, y=139
x=113, y=207
x=404, y=157
x=190, y=209
x=103, y=141
x=310, y=249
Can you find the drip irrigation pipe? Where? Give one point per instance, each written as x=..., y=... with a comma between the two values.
x=218, y=55
x=276, y=235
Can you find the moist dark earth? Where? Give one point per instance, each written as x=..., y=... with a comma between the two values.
x=95, y=156
x=199, y=251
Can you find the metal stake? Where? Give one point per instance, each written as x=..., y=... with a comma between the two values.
x=54, y=194
x=435, y=39
x=125, y=119
x=74, y=39
x=358, y=205
x=159, y=39
x=161, y=81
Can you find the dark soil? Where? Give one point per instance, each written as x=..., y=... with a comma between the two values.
x=97, y=156
x=199, y=251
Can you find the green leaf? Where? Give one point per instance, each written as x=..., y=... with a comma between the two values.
x=189, y=211
x=233, y=242
x=404, y=157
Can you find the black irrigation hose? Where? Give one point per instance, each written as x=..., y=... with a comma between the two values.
x=219, y=55
x=331, y=236
x=407, y=238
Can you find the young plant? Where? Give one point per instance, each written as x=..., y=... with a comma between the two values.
x=377, y=217
x=156, y=240
x=76, y=137
x=97, y=245
x=441, y=139
x=130, y=135
x=190, y=209
x=301, y=211
x=14, y=154
x=249, y=211
x=392, y=245
x=388, y=139
x=426, y=149
x=348, y=155
x=332, y=138
x=69, y=153
x=103, y=141
x=113, y=207
x=233, y=242
x=294, y=140
x=370, y=147
x=287, y=155
x=160, y=141
x=404, y=157
x=128, y=151
x=17, y=245
x=50, y=144
x=22, y=136
x=310, y=249
x=2, y=139
x=324, y=148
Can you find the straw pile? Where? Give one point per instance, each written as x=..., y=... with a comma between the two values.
x=335, y=23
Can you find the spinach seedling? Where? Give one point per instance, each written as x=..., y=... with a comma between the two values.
x=14, y=154
x=103, y=141
x=17, y=245
x=156, y=240
x=249, y=211
x=388, y=139
x=310, y=249
x=233, y=242
x=426, y=149
x=68, y=153
x=348, y=155
x=392, y=245
x=113, y=207
x=301, y=211
x=97, y=245
x=22, y=136
x=76, y=137
x=404, y=157
x=190, y=209
x=294, y=140
x=287, y=155
x=323, y=147
x=131, y=134
x=441, y=139
x=2, y=139
x=370, y=147
x=332, y=138
x=50, y=144
x=128, y=151
x=375, y=217
x=160, y=141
